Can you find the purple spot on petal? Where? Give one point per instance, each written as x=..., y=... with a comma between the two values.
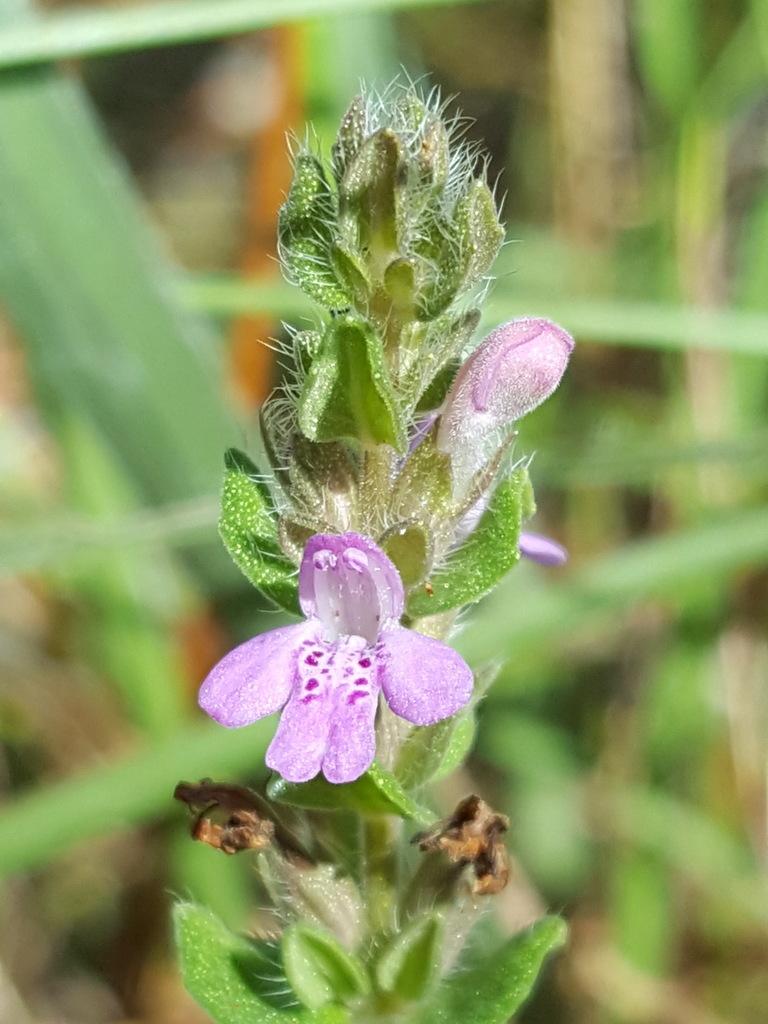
x=309, y=697
x=356, y=695
x=311, y=684
x=325, y=671
x=364, y=663
x=361, y=682
x=311, y=659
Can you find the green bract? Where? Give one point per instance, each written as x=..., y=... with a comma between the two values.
x=248, y=527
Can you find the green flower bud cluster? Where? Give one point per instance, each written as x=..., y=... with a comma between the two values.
x=392, y=239
x=397, y=231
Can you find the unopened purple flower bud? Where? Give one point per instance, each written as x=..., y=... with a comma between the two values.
x=509, y=374
x=541, y=549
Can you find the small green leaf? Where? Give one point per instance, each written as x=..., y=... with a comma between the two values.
x=368, y=196
x=350, y=136
x=400, y=284
x=409, y=546
x=434, y=751
x=489, y=553
x=351, y=271
x=459, y=746
x=423, y=751
x=482, y=234
x=434, y=394
x=306, y=232
x=319, y=969
x=409, y=963
x=493, y=989
x=235, y=980
x=424, y=483
x=248, y=527
x=375, y=792
x=348, y=392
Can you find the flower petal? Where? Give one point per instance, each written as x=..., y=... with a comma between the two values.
x=255, y=679
x=301, y=739
x=349, y=584
x=423, y=679
x=541, y=549
x=352, y=740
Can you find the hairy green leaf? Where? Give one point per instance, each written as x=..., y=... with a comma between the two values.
x=375, y=792
x=234, y=979
x=348, y=392
x=319, y=969
x=409, y=962
x=486, y=556
x=248, y=527
x=492, y=990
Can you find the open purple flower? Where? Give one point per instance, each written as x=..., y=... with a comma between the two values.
x=326, y=672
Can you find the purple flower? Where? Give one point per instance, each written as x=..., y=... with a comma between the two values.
x=511, y=372
x=326, y=672
x=541, y=549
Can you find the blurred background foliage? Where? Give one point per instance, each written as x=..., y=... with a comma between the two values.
x=140, y=176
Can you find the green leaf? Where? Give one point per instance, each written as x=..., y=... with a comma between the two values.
x=348, y=392
x=410, y=547
x=422, y=752
x=248, y=527
x=375, y=792
x=306, y=232
x=368, y=195
x=424, y=483
x=493, y=989
x=319, y=969
x=487, y=554
x=482, y=234
x=352, y=272
x=234, y=979
x=433, y=751
x=459, y=746
x=408, y=964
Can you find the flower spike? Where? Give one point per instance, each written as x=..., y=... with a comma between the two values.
x=326, y=673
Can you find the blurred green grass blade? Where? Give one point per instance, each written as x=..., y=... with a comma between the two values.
x=642, y=324
x=134, y=789
x=94, y=299
x=84, y=32
x=546, y=613
x=668, y=41
x=61, y=538
x=132, y=601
